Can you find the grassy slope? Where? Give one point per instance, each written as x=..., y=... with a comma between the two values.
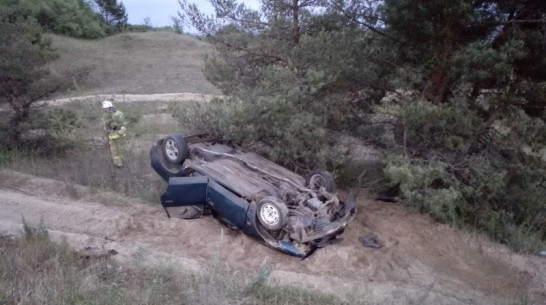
x=138, y=63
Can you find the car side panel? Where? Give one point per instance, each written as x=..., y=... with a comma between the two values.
x=226, y=205
x=184, y=191
x=250, y=226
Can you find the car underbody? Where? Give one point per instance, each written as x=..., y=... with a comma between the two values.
x=247, y=192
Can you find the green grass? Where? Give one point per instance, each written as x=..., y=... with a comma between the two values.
x=36, y=270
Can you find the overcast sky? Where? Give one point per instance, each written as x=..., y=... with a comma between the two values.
x=160, y=11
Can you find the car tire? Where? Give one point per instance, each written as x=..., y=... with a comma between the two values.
x=175, y=149
x=165, y=169
x=272, y=213
x=320, y=178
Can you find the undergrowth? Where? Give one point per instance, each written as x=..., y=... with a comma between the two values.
x=34, y=269
x=87, y=160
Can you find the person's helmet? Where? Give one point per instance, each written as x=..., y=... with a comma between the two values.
x=107, y=104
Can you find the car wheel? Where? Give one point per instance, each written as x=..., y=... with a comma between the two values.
x=272, y=213
x=175, y=149
x=320, y=179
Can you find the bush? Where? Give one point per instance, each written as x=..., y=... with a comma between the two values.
x=178, y=25
x=139, y=28
x=498, y=188
x=274, y=126
x=49, y=132
x=78, y=75
x=73, y=18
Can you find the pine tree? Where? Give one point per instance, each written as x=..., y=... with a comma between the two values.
x=300, y=75
x=452, y=91
x=24, y=76
x=472, y=142
x=113, y=13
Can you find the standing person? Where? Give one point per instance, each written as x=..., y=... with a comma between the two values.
x=114, y=125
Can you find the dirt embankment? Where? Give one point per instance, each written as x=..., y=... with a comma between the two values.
x=422, y=261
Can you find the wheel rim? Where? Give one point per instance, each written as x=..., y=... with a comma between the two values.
x=316, y=182
x=171, y=150
x=270, y=214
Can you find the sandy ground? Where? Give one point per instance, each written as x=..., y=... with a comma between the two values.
x=422, y=262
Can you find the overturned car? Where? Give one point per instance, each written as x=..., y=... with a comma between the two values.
x=209, y=176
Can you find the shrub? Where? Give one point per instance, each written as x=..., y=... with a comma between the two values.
x=139, y=28
x=78, y=75
x=52, y=131
x=73, y=18
x=274, y=126
x=178, y=25
x=497, y=188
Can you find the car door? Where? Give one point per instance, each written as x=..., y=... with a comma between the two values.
x=227, y=206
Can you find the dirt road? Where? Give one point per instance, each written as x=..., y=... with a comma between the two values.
x=422, y=262
x=131, y=98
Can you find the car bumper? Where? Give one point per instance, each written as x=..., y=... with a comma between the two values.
x=327, y=235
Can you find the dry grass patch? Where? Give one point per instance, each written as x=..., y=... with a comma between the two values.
x=150, y=62
x=89, y=163
x=36, y=270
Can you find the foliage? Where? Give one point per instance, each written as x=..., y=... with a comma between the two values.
x=113, y=13
x=73, y=18
x=147, y=22
x=272, y=126
x=177, y=26
x=498, y=187
x=139, y=28
x=55, y=131
x=496, y=33
x=472, y=149
x=295, y=80
x=454, y=92
x=24, y=76
x=25, y=80
x=68, y=145
x=78, y=75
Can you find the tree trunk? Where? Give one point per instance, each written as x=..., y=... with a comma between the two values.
x=296, y=21
x=22, y=114
x=436, y=91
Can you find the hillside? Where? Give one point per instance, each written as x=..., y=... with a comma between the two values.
x=80, y=199
x=137, y=63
